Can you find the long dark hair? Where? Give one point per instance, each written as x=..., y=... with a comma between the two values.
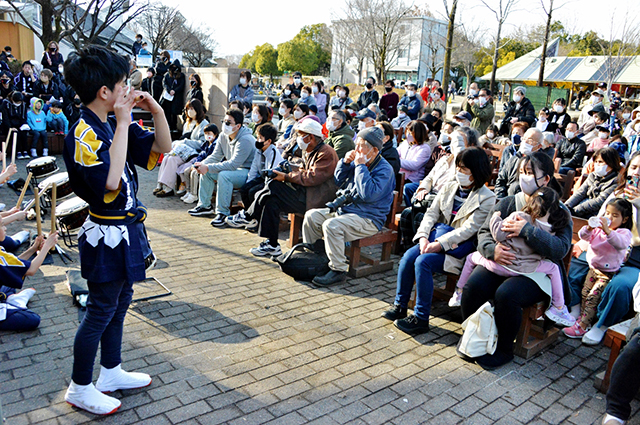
x=476, y=160
x=625, y=209
x=622, y=178
x=419, y=131
x=610, y=157
x=546, y=200
x=263, y=111
x=540, y=161
x=197, y=106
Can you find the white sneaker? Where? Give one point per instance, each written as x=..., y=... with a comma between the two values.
x=184, y=196
x=45, y=152
x=455, y=299
x=34, y=154
x=265, y=249
x=595, y=335
x=21, y=299
x=190, y=199
x=560, y=316
x=118, y=379
x=87, y=397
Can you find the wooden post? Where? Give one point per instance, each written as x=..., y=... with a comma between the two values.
x=24, y=190
x=38, y=219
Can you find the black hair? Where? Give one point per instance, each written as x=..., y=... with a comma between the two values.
x=27, y=63
x=610, y=157
x=198, y=80
x=622, y=178
x=93, y=67
x=477, y=161
x=346, y=90
x=268, y=131
x=138, y=35
x=17, y=96
x=540, y=161
x=438, y=110
x=7, y=48
x=493, y=128
x=238, y=103
x=340, y=114
x=419, y=130
x=246, y=74
x=561, y=101
x=212, y=128
x=197, y=106
x=373, y=79
x=297, y=74
x=390, y=82
x=263, y=111
x=625, y=209
x=546, y=200
x=288, y=103
x=236, y=114
x=487, y=91
x=56, y=104
x=386, y=128
x=295, y=93
x=304, y=108
x=604, y=117
x=151, y=70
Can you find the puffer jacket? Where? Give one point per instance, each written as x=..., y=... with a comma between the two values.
x=594, y=191
x=571, y=152
x=316, y=175
x=526, y=112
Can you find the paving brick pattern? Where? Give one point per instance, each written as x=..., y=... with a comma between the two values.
x=239, y=342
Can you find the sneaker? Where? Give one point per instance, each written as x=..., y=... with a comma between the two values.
x=560, y=316
x=34, y=154
x=87, y=397
x=265, y=249
x=252, y=226
x=150, y=262
x=165, y=193
x=19, y=155
x=190, y=198
x=412, y=325
x=25, y=155
x=182, y=190
x=45, y=152
x=574, y=331
x=117, y=379
x=219, y=220
x=455, y=299
x=612, y=420
x=394, y=313
x=184, y=196
x=201, y=211
x=237, y=220
x=331, y=278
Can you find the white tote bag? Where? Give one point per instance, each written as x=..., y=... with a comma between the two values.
x=480, y=335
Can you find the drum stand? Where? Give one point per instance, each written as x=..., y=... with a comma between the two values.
x=66, y=234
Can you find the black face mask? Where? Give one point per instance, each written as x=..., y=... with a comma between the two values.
x=193, y=83
x=77, y=101
x=388, y=89
x=369, y=86
x=5, y=81
x=259, y=144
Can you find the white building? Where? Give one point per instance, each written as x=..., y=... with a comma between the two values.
x=420, y=55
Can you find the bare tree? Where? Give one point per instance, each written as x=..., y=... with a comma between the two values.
x=548, y=10
x=451, y=18
x=341, y=49
x=158, y=22
x=501, y=12
x=621, y=47
x=103, y=14
x=197, y=45
x=434, y=42
x=467, y=45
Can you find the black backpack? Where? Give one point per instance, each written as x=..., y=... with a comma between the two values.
x=302, y=262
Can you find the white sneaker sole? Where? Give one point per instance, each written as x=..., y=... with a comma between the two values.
x=559, y=320
x=106, y=390
x=79, y=406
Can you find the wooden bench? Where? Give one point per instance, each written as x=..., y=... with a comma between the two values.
x=439, y=294
x=295, y=229
x=566, y=181
x=387, y=237
x=55, y=141
x=616, y=339
x=495, y=158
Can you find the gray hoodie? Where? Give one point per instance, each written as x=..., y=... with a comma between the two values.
x=229, y=155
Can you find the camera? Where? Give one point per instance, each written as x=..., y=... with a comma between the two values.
x=283, y=167
x=343, y=197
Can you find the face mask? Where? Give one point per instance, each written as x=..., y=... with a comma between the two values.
x=558, y=108
x=600, y=170
x=482, y=101
x=149, y=75
x=361, y=125
x=208, y=138
x=603, y=135
x=525, y=148
x=227, y=129
x=191, y=113
x=5, y=81
x=473, y=92
x=410, y=138
x=517, y=98
x=61, y=69
x=296, y=80
x=77, y=101
x=193, y=83
x=282, y=110
x=297, y=114
x=626, y=116
x=596, y=100
x=516, y=139
x=542, y=119
x=287, y=92
x=302, y=144
x=444, y=139
x=304, y=95
x=314, y=89
x=52, y=49
x=528, y=184
x=490, y=135
x=411, y=93
x=255, y=117
x=402, y=115
x=259, y=145
x=138, y=40
x=388, y=89
x=341, y=93
x=369, y=86
x=463, y=179
x=570, y=134
x=17, y=104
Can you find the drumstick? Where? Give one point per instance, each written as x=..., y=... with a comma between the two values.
x=24, y=190
x=4, y=155
x=54, y=194
x=13, y=148
x=38, y=220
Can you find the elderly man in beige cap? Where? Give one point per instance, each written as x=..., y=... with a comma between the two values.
x=309, y=186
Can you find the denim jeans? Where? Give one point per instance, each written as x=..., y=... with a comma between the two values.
x=106, y=307
x=40, y=135
x=225, y=181
x=418, y=268
x=408, y=191
x=565, y=170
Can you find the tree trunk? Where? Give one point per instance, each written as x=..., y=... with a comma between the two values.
x=494, y=68
x=446, y=69
x=543, y=58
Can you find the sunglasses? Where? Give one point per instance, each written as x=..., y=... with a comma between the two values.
x=229, y=123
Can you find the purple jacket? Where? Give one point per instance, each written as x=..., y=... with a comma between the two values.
x=413, y=159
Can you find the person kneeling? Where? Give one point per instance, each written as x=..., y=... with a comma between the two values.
x=368, y=181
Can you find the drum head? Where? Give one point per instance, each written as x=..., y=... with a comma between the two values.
x=59, y=179
x=71, y=206
x=41, y=161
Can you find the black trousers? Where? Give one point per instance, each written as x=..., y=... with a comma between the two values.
x=410, y=220
x=509, y=294
x=625, y=380
x=274, y=198
x=248, y=193
x=21, y=139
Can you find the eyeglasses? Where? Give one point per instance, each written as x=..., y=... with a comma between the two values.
x=229, y=123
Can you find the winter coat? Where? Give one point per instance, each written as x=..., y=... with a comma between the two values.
x=571, y=152
x=72, y=113
x=558, y=122
x=507, y=183
x=177, y=84
x=262, y=161
x=594, y=191
x=195, y=93
x=56, y=60
x=413, y=159
x=51, y=117
x=367, y=98
x=525, y=112
x=341, y=140
x=14, y=116
x=316, y=175
x=391, y=155
x=482, y=117
x=413, y=104
x=37, y=121
x=230, y=155
x=321, y=104
x=244, y=94
x=49, y=93
x=389, y=104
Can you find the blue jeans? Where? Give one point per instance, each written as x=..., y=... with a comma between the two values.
x=40, y=135
x=408, y=191
x=418, y=268
x=565, y=170
x=106, y=307
x=617, y=297
x=226, y=181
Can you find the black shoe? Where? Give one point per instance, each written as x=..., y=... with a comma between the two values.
x=219, y=221
x=201, y=211
x=394, y=313
x=494, y=361
x=165, y=193
x=330, y=278
x=412, y=325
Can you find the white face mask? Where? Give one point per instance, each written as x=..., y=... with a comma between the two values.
x=473, y=92
x=297, y=114
x=600, y=170
x=282, y=111
x=457, y=145
x=603, y=135
x=570, y=134
x=331, y=126
x=528, y=184
x=596, y=100
x=191, y=113
x=626, y=116
x=411, y=93
x=208, y=138
x=362, y=125
x=301, y=144
x=517, y=98
x=304, y=95
x=525, y=148
x=287, y=92
x=342, y=93
x=296, y=80
x=402, y=115
x=482, y=101
x=490, y=135
x=255, y=117
x=542, y=119
x=227, y=129
x=314, y=89
x=558, y=108
x=243, y=81
x=463, y=179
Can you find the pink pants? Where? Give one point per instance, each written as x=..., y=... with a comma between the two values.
x=547, y=267
x=168, y=170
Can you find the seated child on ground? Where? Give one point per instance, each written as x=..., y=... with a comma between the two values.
x=542, y=206
x=609, y=238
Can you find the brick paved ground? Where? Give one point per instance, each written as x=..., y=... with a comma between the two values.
x=241, y=343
